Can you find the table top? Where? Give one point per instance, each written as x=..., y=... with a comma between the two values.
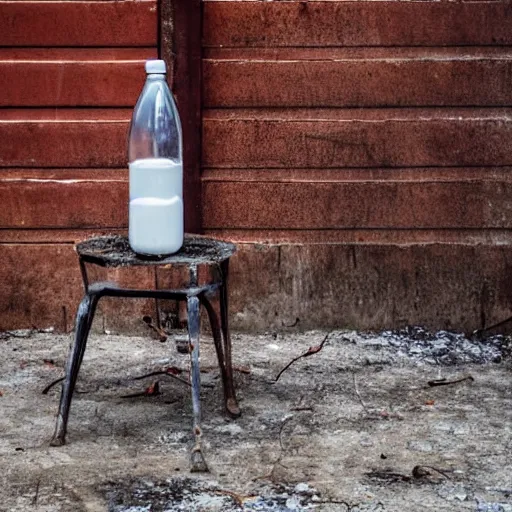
x=115, y=251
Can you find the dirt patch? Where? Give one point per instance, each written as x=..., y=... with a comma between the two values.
x=354, y=427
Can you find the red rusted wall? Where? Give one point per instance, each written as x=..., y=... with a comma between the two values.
x=359, y=152
x=362, y=152
x=70, y=72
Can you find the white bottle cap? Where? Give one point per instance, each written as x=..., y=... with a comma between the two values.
x=155, y=66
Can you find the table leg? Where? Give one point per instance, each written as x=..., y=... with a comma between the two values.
x=84, y=317
x=197, y=459
x=231, y=401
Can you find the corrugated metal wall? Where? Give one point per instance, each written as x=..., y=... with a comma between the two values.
x=369, y=144
x=359, y=151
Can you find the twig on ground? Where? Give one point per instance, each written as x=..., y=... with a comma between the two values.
x=153, y=390
x=36, y=496
x=277, y=462
x=311, y=351
x=420, y=471
x=55, y=382
x=239, y=500
x=50, y=386
x=271, y=476
x=445, y=382
x=281, y=428
x=297, y=320
x=162, y=335
x=301, y=406
x=171, y=372
x=389, y=476
x=356, y=389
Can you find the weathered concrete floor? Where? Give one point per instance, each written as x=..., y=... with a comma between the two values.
x=331, y=419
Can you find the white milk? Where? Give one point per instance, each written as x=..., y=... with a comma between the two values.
x=156, y=206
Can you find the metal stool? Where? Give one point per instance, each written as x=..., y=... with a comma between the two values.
x=115, y=251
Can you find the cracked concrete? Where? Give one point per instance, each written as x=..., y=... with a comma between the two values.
x=350, y=422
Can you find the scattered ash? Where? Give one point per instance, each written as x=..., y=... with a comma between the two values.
x=187, y=494
x=436, y=348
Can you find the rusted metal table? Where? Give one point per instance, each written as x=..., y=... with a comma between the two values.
x=115, y=251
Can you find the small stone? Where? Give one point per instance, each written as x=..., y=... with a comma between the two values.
x=420, y=446
x=231, y=428
x=378, y=342
x=301, y=487
x=366, y=441
x=293, y=503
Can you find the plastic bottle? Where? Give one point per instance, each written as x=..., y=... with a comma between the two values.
x=156, y=168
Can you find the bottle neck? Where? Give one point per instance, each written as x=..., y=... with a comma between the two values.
x=155, y=76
